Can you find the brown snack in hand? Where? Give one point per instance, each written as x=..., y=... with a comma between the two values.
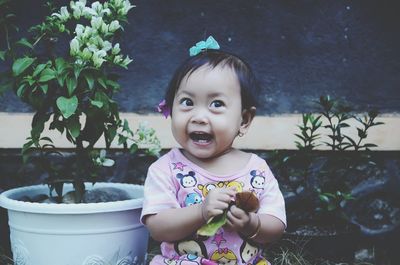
x=247, y=201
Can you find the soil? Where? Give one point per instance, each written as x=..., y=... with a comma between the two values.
x=315, y=230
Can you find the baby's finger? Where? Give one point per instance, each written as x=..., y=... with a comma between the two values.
x=231, y=190
x=215, y=212
x=221, y=205
x=237, y=212
x=229, y=224
x=229, y=216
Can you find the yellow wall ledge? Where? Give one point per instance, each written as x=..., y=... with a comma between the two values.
x=266, y=132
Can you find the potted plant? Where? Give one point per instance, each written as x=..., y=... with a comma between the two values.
x=71, y=90
x=318, y=218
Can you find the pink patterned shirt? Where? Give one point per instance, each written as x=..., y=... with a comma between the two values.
x=175, y=182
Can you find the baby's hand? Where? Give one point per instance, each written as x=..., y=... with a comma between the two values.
x=217, y=201
x=237, y=219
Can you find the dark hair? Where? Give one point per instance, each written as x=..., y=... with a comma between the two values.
x=248, y=85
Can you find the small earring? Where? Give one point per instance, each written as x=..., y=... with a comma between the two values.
x=240, y=134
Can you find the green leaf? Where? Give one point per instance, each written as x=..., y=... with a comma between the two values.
x=369, y=145
x=39, y=69
x=108, y=162
x=58, y=125
x=77, y=72
x=24, y=42
x=74, y=126
x=377, y=123
x=27, y=154
x=331, y=207
x=47, y=74
x=212, y=226
x=67, y=106
x=3, y=55
x=122, y=139
x=60, y=65
x=38, y=122
x=30, y=80
x=90, y=80
x=324, y=198
x=21, y=90
x=45, y=88
x=26, y=146
x=110, y=133
x=103, y=98
x=102, y=82
x=114, y=85
x=46, y=139
x=21, y=64
x=96, y=103
x=71, y=84
x=134, y=147
x=299, y=136
x=362, y=134
x=61, y=78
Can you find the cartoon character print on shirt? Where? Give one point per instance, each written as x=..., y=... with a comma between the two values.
x=257, y=180
x=191, y=246
x=179, y=165
x=238, y=185
x=222, y=255
x=260, y=261
x=205, y=189
x=188, y=180
x=171, y=261
x=192, y=198
x=188, y=259
x=247, y=252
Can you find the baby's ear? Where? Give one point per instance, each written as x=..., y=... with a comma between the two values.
x=247, y=118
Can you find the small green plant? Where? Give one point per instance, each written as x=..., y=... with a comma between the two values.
x=72, y=90
x=336, y=115
x=331, y=187
x=308, y=130
x=333, y=203
x=7, y=27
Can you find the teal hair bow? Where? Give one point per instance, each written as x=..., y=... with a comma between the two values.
x=210, y=43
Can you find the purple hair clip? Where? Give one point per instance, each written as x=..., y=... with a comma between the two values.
x=164, y=108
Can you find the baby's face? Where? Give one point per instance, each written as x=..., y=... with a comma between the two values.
x=207, y=112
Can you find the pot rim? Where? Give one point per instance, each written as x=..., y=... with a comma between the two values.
x=8, y=200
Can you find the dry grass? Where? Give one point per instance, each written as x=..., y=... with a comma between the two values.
x=4, y=260
x=277, y=255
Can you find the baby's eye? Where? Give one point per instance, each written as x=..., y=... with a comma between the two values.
x=217, y=104
x=186, y=102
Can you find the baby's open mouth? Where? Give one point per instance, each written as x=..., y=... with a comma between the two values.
x=200, y=137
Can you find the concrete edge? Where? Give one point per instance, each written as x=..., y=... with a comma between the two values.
x=266, y=132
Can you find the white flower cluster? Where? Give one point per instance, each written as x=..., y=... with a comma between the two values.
x=91, y=45
x=145, y=137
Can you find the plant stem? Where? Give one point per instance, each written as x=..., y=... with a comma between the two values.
x=7, y=37
x=38, y=39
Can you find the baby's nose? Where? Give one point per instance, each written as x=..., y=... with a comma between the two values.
x=200, y=116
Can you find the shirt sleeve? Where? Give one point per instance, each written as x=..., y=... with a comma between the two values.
x=271, y=199
x=160, y=190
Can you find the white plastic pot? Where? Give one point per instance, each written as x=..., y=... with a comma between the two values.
x=107, y=233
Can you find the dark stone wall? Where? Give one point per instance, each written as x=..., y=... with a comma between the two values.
x=299, y=49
